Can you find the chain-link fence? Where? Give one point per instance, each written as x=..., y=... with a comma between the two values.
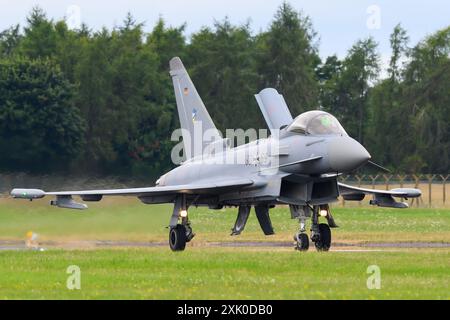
x=433, y=186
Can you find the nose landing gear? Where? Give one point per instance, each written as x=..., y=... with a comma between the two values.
x=320, y=232
x=323, y=242
x=301, y=238
x=301, y=242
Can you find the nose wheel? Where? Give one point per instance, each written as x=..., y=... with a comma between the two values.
x=302, y=242
x=320, y=233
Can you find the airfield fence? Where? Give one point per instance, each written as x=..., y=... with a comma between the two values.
x=435, y=193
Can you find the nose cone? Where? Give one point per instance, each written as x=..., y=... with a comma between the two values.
x=346, y=154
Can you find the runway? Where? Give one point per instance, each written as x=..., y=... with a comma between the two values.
x=336, y=246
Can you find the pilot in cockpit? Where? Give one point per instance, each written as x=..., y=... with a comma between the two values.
x=316, y=123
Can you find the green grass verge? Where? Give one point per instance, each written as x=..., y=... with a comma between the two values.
x=211, y=273
x=128, y=219
x=219, y=273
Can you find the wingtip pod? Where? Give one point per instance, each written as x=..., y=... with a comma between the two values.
x=408, y=192
x=28, y=194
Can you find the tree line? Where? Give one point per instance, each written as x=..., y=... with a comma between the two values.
x=102, y=101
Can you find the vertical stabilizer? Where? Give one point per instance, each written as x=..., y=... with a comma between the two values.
x=194, y=118
x=274, y=109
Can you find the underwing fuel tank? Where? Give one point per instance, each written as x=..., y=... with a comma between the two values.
x=67, y=202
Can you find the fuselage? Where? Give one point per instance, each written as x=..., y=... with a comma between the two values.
x=273, y=156
x=299, y=164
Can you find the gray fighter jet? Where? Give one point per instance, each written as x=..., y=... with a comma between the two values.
x=297, y=166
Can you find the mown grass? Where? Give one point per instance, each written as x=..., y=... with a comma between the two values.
x=211, y=273
x=128, y=219
x=204, y=272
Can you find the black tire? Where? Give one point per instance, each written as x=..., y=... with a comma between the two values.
x=302, y=243
x=177, y=238
x=324, y=243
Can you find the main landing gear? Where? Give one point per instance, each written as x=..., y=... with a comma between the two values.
x=320, y=232
x=179, y=236
x=180, y=228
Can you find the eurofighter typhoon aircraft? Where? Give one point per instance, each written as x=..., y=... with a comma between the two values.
x=297, y=166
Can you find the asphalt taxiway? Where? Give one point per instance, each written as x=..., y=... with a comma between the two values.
x=337, y=246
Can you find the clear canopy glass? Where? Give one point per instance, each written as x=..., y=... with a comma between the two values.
x=316, y=123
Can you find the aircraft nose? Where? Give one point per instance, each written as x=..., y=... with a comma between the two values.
x=346, y=154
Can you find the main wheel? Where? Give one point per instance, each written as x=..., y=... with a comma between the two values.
x=177, y=238
x=302, y=243
x=324, y=242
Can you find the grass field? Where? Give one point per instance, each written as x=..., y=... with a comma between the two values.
x=211, y=273
x=204, y=272
x=128, y=219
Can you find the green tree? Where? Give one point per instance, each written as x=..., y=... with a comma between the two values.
x=426, y=101
x=93, y=73
x=287, y=59
x=222, y=66
x=40, y=38
x=106, y=100
x=9, y=40
x=167, y=42
x=399, y=45
x=153, y=145
x=410, y=108
x=128, y=117
x=70, y=45
x=346, y=93
x=328, y=75
x=387, y=114
x=39, y=126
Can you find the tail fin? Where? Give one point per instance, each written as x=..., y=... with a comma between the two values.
x=194, y=118
x=274, y=109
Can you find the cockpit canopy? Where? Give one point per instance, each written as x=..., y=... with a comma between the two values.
x=316, y=123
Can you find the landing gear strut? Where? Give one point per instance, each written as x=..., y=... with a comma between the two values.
x=180, y=228
x=301, y=238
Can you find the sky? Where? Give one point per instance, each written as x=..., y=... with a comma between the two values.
x=339, y=23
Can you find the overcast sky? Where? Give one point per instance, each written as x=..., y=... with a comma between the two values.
x=339, y=23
